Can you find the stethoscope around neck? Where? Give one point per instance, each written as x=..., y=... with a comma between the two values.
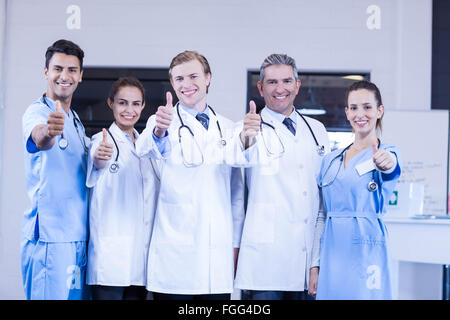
x=371, y=186
x=63, y=143
x=320, y=148
x=114, y=167
x=222, y=141
x=183, y=125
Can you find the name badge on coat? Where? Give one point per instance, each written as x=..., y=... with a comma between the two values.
x=365, y=167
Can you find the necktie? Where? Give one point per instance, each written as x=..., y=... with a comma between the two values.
x=289, y=124
x=203, y=118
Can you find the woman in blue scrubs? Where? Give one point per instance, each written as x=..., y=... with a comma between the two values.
x=356, y=184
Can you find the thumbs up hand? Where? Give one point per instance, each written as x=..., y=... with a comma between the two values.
x=252, y=124
x=103, y=152
x=55, y=121
x=382, y=158
x=164, y=116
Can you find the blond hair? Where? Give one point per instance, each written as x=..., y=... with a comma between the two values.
x=187, y=56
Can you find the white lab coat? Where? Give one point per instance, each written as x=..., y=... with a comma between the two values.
x=121, y=214
x=200, y=212
x=283, y=203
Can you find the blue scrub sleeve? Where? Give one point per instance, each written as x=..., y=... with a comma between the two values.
x=394, y=174
x=36, y=114
x=388, y=181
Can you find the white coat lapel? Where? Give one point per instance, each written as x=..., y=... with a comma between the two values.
x=213, y=130
x=301, y=127
x=280, y=128
x=200, y=134
x=190, y=121
x=122, y=141
x=214, y=149
x=304, y=134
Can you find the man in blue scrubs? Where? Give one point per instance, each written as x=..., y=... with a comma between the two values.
x=54, y=231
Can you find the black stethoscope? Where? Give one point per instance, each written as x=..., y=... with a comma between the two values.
x=320, y=148
x=63, y=143
x=222, y=140
x=371, y=186
x=114, y=167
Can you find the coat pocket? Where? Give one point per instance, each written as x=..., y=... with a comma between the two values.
x=115, y=259
x=176, y=224
x=259, y=225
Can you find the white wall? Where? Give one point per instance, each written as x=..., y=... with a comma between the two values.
x=234, y=35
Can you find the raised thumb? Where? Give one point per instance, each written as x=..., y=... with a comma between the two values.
x=105, y=139
x=58, y=107
x=252, y=106
x=169, y=99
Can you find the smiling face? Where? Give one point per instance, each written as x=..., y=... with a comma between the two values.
x=190, y=84
x=362, y=111
x=127, y=107
x=63, y=75
x=279, y=88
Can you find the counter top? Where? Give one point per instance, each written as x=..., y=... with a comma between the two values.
x=419, y=220
x=425, y=240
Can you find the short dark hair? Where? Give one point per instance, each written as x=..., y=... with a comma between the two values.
x=364, y=84
x=126, y=82
x=66, y=47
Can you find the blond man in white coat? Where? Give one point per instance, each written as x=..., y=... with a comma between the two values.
x=285, y=151
x=200, y=213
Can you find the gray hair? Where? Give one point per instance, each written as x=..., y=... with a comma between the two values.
x=277, y=59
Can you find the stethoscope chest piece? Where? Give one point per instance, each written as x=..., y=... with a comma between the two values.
x=372, y=186
x=222, y=142
x=63, y=143
x=114, y=167
x=321, y=150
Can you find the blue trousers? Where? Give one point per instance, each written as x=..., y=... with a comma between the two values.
x=54, y=270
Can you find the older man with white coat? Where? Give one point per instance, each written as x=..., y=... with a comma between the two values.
x=285, y=151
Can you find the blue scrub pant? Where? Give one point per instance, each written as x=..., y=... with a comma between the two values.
x=54, y=270
x=275, y=295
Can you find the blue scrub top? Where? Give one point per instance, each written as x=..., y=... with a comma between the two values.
x=348, y=182
x=55, y=180
x=354, y=251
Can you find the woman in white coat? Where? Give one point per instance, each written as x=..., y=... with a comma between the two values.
x=200, y=213
x=124, y=189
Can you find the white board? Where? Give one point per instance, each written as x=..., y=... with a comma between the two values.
x=422, y=137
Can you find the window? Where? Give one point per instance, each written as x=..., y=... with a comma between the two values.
x=89, y=100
